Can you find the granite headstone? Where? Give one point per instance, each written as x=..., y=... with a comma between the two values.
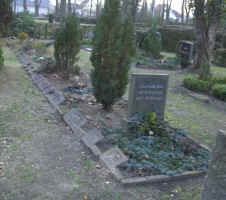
x=148, y=93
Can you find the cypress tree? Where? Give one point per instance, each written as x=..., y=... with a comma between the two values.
x=111, y=56
x=67, y=45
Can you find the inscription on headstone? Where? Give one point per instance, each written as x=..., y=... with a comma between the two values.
x=148, y=93
x=74, y=119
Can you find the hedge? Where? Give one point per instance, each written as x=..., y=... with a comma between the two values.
x=219, y=91
x=195, y=84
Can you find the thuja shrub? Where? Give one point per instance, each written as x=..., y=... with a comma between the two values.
x=113, y=47
x=195, y=84
x=219, y=91
x=67, y=45
x=152, y=44
x=1, y=58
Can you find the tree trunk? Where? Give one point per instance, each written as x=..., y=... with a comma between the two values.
x=163, y=11
x=212, y=40
x=215, y=184
x=91, y=7
x=153, y=8
x=69, y=7
x=62, y=8
x=182, y=11
x=37, y=5
x=57, y=7
x=169, y=3
x=25, y=5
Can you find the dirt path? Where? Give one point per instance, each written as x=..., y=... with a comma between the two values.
x=40, y=159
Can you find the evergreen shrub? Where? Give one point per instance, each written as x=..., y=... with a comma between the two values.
x=152, y=44
x=67, y=45
x=23, y=22
x=113, y=47
x=219, y=91
x=195, y=84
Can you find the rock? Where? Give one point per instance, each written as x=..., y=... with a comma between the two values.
x=215, y=184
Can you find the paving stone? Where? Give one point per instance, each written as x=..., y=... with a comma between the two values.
x=56, y=98
x=91, y=138
x=75, y=119
x=112, y=158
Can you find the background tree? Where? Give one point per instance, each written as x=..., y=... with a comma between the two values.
x=182, y=11
x=57, y=8
x=69, y=7
x=187, y=9
x=63, y=5
x=168, y=8
x=37, y=6
x=98, y=8
x=113, y=47
x=152, y=8
x=207, y=19
x=25, y=5
x=5, y=16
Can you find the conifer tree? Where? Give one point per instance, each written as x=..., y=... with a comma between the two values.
x=111, y=56
x=67, y=45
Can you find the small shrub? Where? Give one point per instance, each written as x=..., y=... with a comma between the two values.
x=22, y=36
x=40, y=48
x=219, y=91
x=1, y=58
x=195, y=84
x=152, y=44
x=67, y=45
x=23, y=22
x=219, y=80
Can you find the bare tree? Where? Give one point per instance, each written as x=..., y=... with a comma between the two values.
x=207, y=18
x=168, y=8
x=182, y=11
x=91, y=7
x=25, y=5
x=69, y=7
x=187, y=8
x=63, y=5
x=37, y=6
x=163, y=10
x=152, y=7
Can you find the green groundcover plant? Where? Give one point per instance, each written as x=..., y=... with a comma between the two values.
x=154, y=147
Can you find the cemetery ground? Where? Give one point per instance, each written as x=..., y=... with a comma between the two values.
x=42, y=159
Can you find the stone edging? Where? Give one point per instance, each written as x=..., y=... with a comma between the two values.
x=111, y=158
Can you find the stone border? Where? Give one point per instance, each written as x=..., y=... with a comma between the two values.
x=114, y=156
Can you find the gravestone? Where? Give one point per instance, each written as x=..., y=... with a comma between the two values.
x=74, y=119
x=185, y=52
x=148, y=93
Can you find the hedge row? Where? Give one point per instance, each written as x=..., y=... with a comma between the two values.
x=216, y=86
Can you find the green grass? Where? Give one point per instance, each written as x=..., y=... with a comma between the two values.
x=190, y=193
x=218, y=71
